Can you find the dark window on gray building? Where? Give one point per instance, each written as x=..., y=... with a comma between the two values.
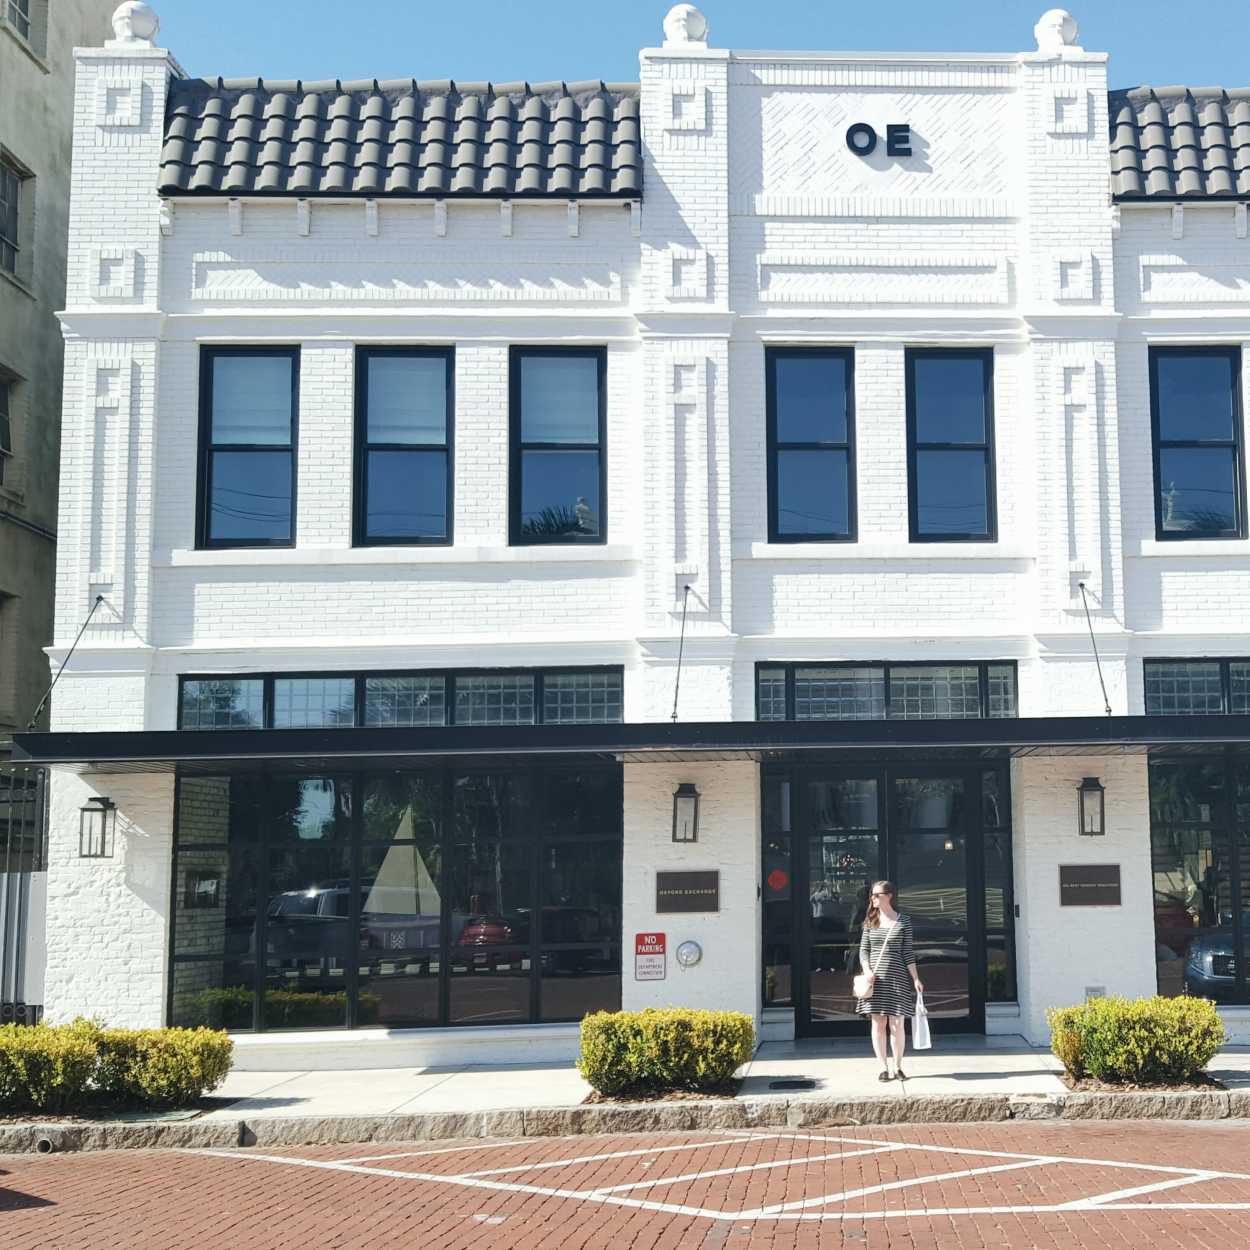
x=950, y=445
x=10, y=215
x=403, y=445
x=557, y=483
x=6, y=424
x=1195, y=412
x=248, y=415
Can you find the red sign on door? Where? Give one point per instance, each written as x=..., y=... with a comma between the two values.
x=649, y=957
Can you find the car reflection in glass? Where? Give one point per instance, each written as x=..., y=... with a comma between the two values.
x=1211, y=966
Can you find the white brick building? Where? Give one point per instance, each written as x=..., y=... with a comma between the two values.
x=400, y=417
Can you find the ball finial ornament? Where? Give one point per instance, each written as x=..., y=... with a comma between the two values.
x=1055, y=30
x=135, y=22
x=684, y=25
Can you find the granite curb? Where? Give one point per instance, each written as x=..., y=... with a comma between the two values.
x=653, y=1117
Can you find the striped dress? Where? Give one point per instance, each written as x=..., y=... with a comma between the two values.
x=893, y=994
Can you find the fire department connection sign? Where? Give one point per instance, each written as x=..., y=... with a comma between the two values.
x=649, y=957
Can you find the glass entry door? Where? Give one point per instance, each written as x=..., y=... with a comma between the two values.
x=921, y=828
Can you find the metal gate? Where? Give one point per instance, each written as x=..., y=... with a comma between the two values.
x=23, y=876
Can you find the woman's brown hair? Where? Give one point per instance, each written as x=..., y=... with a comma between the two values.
x=873, y=919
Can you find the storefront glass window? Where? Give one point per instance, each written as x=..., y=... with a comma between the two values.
x=1200, y=844
x=397, y=899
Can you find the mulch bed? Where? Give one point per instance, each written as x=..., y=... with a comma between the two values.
x=728, y=1090
x=1202, y=1085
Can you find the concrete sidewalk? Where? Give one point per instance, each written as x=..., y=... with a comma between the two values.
x=841, y=1070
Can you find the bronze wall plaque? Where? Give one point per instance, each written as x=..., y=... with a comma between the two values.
x=1089, y=885
x=687, y=891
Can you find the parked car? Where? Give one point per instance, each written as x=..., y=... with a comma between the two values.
x=1210, y=969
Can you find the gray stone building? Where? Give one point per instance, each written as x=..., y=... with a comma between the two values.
x=37, y=38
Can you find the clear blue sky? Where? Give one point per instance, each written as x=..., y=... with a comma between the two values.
x=1197, y=42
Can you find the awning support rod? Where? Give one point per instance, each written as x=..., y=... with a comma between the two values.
x=1097, y=662
x=34, y=716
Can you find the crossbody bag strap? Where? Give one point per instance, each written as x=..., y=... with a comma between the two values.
x=881, y=953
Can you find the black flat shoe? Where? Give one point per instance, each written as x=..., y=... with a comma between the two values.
x=900, y=1075
x=885, y=1076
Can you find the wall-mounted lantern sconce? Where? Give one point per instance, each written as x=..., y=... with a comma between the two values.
x=97, y=825
x=1090, y=803
x=685, y=813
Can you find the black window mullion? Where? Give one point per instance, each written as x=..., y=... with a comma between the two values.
x=261, y=961
x=983, y=689
x=351, y=974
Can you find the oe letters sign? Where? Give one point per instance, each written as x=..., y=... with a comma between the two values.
x=862, y=139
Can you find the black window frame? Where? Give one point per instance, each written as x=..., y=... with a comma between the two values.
x=1225, y=663
x=517, y=448
x=362, y=447
x=986, y=356
x=793, y=667
x=207, y=448
x=1236, y=444
x=361, y=677
x=771, y=356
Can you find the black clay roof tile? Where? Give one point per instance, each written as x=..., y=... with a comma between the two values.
x=1172, y=143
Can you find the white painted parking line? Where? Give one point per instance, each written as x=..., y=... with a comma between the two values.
x=1106, y=1205
x=1138, y=1190
x=1125, y=1164
x=449, y=1150
x=746, y=1167
x=616, y=1154
x=934, y=1179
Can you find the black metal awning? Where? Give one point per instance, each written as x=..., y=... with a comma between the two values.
x=203, y=751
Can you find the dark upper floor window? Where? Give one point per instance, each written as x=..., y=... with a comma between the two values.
x=403, y=445
x=248, y=414
x=852, y=691
x=19, y=17
x=1196, y=687
x=950, y=445
x=557, y=488
x=1195, y=412
x=403, y=700
x=6, y=424
x=10, y=214
x=811, y=471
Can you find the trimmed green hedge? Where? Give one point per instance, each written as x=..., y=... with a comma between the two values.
x=1146, y=1041
x=655, y=1051
x=231, y=1008
x=68, y=1067
x=45, y=1068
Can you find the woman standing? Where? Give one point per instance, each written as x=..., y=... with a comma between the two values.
x=887, y=956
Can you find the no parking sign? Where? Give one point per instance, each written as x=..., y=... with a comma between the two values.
x=649, y=957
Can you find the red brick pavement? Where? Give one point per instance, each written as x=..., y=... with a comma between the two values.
x=949, y=1186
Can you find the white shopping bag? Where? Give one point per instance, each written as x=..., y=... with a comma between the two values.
x=920, y=1039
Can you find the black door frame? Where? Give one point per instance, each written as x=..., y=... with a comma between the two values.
x=887, y=850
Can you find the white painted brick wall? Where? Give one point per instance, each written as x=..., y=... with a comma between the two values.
x=728, y=978
x=1062, y=950
x=758, y=227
